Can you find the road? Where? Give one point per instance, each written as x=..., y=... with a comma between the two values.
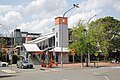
x=108, y=73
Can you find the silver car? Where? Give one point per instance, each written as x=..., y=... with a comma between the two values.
x=3, y=64
x=24, y=64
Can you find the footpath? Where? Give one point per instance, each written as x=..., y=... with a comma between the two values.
x=65, y=66
x=99, y=64
x=79, y=65
x=7, y=73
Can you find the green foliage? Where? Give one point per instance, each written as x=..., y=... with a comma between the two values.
x=3, y=41
x=79, y=41
x=107, y=33
x=1, y=55
x=14, y=59
x=102, y=36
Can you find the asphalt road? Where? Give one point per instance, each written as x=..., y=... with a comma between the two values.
x=108, y=73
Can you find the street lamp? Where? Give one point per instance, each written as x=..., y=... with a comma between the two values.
x=74, y=6
x=6, y=29
x=11, y=41
x=88, y=54
x=91, y=18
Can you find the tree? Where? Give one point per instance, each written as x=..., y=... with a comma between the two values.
x=3, y=42
x=108, y=35
x=102, y=36
x=79, y=40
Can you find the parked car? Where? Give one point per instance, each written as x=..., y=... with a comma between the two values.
x=113, y=61
x=3, y=64
x=24, y=64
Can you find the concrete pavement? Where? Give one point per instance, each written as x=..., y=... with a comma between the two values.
x=58, y=68
x=99, y=64
x=68, y=72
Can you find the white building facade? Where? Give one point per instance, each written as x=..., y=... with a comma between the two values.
x=52, y=42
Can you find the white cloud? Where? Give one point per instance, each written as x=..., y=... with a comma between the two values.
x=94, y=4
x=117, y=6
x=37, y=26
x=89, y=8
x=38, y=14
x=84, y=16
x=45, y=8
x=42, y=13
x=11, y=19
x=6, y=8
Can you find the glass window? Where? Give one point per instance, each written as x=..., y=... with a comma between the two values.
x=56, y=44
x=56, y=35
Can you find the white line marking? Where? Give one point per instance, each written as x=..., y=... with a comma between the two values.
x=96, y=73
x=65, y=79
x=106, y=78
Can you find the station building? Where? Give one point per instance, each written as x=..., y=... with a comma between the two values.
x=50, y=44
x=38, y=47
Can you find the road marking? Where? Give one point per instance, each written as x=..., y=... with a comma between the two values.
x=8, y=71
x=112, y=67
x=65, y=79
x=97, y=74
x=106, y=78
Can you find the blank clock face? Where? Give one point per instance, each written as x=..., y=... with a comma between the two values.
x=63, y=20
x=60, y=20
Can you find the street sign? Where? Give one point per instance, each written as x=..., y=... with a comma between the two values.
x=73, y=51
x=96, y=54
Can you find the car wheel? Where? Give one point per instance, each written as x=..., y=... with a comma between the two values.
x=22, y=67
x=17, y=66
x=3, y=65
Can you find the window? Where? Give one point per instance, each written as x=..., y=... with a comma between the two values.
x=56, y=34
x=56, y=44
x=63, y=20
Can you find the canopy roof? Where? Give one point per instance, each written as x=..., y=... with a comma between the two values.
x=58, y=49
x=31, y=48
x=42, y=38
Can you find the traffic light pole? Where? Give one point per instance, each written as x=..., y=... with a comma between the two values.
x=73, y=59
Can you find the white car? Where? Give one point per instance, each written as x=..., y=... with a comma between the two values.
x=3, y=64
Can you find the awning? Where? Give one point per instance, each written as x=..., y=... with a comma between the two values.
x=32, y=48
x=58, y=49
x=42, y=38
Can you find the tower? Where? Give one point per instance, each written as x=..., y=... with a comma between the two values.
x=61, y=32
x=18, y=37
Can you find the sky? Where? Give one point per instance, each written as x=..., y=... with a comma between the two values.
x=39, y=15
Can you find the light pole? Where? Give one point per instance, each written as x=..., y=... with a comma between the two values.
x=90, y=19
x=11, y=35
x=88, y=54
x=74, y=6
x=6, y=29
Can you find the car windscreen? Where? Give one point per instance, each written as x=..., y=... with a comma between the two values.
x=25, y=62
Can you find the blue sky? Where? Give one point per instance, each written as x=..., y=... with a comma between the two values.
x=14, y=2
x=38, y=15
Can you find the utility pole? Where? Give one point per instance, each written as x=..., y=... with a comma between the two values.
x=88, y=54
x=11, y=49
x=74, y=6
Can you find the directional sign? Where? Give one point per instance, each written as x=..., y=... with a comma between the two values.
x=73, y=51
